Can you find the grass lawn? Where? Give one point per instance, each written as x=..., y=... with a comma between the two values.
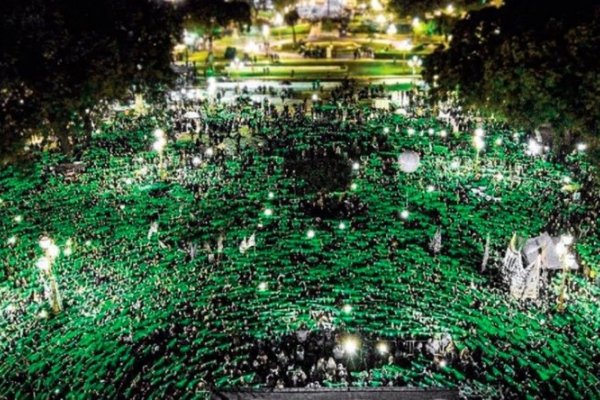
x=329, y=69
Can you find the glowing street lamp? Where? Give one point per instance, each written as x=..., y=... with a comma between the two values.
x=159, y=147
x=418, y=27
x=383, y=348
x=534, y=148
x=53, y=251
x=380, y=19
x=567, y=260
x=478, y=143
x=392, y=30
x=414, y=63
x=405, y=45
x=236, y=64
x=45, y=242
x=581, y=147
x=251, y=48
x=351, y=345
x=376, y=5
x=44, y=264
x=266, y=31
x=212, y=86
x=278, y=20
x=189, y=38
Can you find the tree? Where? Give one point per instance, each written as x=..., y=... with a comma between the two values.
x=404, y=8
x=532, y=63
x=211, y=14
x=283, y=4
x=291, y=19
x=64, y=60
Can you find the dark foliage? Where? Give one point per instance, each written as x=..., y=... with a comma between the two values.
x=63, y=61
x=531, y=62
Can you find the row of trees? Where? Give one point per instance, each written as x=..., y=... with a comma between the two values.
x=531, y=62
x=420, y=8
x=212, y=14
x=64, y=61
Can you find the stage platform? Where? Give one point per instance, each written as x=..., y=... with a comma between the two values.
x=392, y=393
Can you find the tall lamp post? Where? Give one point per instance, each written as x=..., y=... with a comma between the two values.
x=414, y=63
x=479, y=144
x=566, y=260
x=159, y=147
x=266, y=32
x=51, y=290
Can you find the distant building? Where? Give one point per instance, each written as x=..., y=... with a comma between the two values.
x=318, y=9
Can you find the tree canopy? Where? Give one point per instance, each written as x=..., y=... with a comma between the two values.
x=210, y=14
x=419, y=8
x=291, y=19
x=532, y=62
x=282, y=4
x=63, y=59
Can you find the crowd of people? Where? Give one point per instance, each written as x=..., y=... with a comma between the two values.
x=213, y=261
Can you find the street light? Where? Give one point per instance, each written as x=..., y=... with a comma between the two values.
x=266, y=32
x=212, y=86
x=479, y=144
x=581, y=147
x=414, y=63
x=159, y=147
x=376, y=5
x=251, y=48
x=392, y=30
x=534, y=148
x=189, y=39
x=351, y=345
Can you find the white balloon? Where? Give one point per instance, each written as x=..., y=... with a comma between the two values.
x=409, y=161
